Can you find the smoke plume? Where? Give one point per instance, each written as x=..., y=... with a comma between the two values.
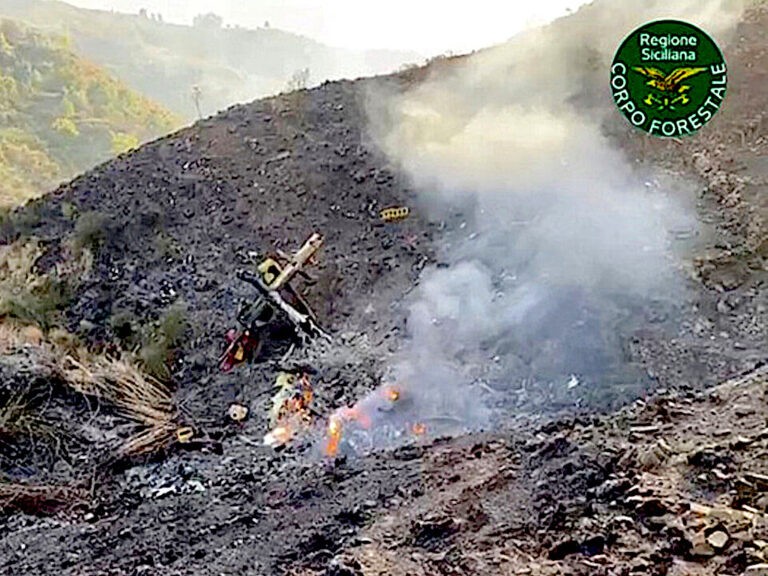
x=556, y=247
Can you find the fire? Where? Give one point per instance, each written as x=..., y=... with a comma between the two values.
x=290, y=414
x=279, y=436
x=334, y=436
x=391, y=393
x=336, y=426
x=357, y=415
x=419, y=429
x=369, y=412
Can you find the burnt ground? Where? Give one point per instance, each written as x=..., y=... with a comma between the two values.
x=641, y=490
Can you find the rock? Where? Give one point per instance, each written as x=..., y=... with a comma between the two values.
x=652, y=507
x=650, y=458
x=644, y=429
x=641, y=566
x=757, y=570
x=338, y=567
x=762, y=503
x=594, y=546
x=165, y=491
x=700, y=509
x=760, y=480
x=700, y=548
x=741, y=442
x=718, y=539
x=623, y=520
x=563, y=549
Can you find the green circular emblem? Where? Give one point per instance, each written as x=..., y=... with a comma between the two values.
x=668, y=78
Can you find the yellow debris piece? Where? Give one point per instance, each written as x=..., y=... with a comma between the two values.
x=395, y=214
x=184, y=434
x=270, y=270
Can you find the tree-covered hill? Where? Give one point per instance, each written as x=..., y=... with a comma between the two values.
x=60, y=114
x=206, y=64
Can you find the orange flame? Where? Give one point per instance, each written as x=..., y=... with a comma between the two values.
x=357, y=415
x=336, y=426
x=419, y=428
x=293, y=415
x=334, y=436
x=391, y=393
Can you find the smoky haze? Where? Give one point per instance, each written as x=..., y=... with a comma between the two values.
x=206, y=65
x=397, y=24
x=557, y=248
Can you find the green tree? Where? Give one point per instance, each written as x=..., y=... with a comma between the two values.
x=122, y=142
x=66, y=127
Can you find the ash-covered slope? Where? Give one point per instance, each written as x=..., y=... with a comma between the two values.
x=179, y=216
x=173, y=222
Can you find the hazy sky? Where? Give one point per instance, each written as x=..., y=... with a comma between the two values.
x=426, y=26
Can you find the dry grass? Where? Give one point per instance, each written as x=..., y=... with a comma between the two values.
x=17, y=418
x=34, y=298
x=14, y=337
x=160, y=344
x=144, y=401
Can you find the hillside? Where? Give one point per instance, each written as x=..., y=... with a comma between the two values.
x=572, y=317
x=61, y=115
x=165, y=61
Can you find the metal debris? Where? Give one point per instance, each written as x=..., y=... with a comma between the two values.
x=395, y=214
x=237, y=412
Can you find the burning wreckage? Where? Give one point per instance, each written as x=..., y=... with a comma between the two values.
x=291, y=415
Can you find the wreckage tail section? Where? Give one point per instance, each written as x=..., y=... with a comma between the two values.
x=276, y=295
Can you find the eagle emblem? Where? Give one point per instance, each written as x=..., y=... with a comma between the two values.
x=668, y=89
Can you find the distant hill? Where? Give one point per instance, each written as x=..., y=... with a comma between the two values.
x=167, y=61
x=60, y=115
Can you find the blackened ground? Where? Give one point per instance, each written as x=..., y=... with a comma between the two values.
x=181, y=216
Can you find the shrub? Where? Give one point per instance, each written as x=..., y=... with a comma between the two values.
x=34, y=298
x=124, y=327
x=159, y=347
x=68, y=210
x=153, y=357
x=166, y=246
x=40, y=306
x=90, y=231
x=173, y=324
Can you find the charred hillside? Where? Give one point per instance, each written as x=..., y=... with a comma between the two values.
x=178, y=217
x=140, y=258
x=171, y=223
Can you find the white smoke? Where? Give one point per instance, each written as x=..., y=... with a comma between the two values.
x=556, y=246
x=562, y=237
